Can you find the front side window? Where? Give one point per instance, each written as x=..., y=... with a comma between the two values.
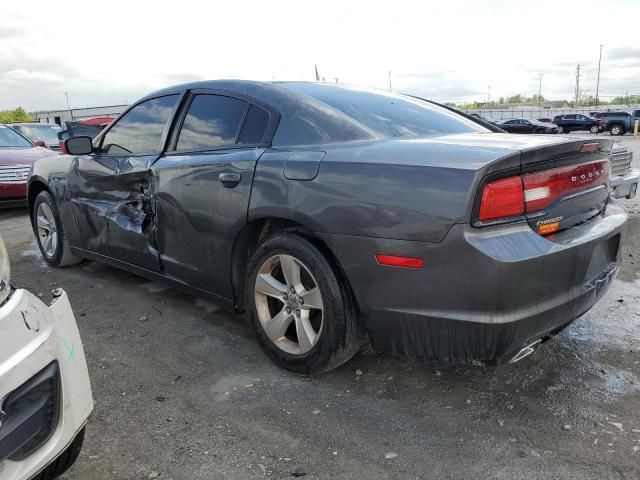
x=140, y=130
x=212, y=121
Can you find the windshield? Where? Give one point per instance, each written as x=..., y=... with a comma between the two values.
x=388, y=114
x=9, y=138
x=48, y=133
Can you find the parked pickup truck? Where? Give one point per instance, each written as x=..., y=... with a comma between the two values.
x=623, y=180
x=618, y=123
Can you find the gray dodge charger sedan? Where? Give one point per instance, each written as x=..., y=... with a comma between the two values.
x=335, y=215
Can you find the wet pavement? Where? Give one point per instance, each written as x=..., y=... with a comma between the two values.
x=184, y=392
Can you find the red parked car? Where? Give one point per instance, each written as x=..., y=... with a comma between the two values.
x=17, y=154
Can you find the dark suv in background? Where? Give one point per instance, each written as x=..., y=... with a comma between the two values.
x=577, y=121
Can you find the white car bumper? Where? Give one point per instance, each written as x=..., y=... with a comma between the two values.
x=625, y=186
x=37, y=340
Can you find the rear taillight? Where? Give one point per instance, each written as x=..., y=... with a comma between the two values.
x=543, y=188
x=533, y=192
x=502, y=198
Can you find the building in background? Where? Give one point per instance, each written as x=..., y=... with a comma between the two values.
x=62, y=116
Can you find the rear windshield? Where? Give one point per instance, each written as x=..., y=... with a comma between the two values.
x=48, y=133
x=9, y=138
x=388, y=114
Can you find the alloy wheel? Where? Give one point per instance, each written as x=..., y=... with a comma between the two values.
x=47, y=231
x=289, y=304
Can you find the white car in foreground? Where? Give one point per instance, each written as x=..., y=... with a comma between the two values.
x=45, y=393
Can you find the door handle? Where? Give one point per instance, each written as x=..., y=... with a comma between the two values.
x=229, y=180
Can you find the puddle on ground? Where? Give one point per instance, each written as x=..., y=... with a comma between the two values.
x=614, y=322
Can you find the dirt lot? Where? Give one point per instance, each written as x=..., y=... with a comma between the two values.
x=183, y=391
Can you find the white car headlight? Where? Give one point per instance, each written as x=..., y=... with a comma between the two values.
x=5, y=272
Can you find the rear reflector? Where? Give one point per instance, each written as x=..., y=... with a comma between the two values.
x=502, y=198
x=397, y=261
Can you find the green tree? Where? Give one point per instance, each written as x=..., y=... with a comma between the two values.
x=14, y=116
x=515, y=99
x=626, y=100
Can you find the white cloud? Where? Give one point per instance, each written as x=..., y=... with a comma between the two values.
x=20, y=76
x=116, y=51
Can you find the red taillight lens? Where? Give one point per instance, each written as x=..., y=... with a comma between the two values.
x=502, y=198
x=532, y=192
x=543, y=188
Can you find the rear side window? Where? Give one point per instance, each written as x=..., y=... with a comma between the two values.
x=388, y=114
x=254, y=126
x=139, y=131
x=212, y=121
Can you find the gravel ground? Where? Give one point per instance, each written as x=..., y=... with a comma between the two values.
x=183, y=391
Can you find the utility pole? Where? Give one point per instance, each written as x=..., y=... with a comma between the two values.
x=577, y=86
x=389, y=80
x=540, y=75
x=489, y=95
x=67, y=95
x=598, y=82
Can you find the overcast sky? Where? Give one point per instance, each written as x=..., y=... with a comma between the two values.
x=112, y=52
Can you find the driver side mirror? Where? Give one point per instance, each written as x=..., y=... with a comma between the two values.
x=39, y=143
x=78, y=145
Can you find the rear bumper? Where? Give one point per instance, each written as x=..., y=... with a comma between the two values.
x=38, y=344
x=625, y=186
x=482, y=294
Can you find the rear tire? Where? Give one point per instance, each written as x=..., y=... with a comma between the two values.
x=594, y=129
x=50, y=234
x=616, y=130
x=64, y=461
x=562, y=130
x=329, y=335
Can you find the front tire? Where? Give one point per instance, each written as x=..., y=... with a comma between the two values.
x=301, y=308
x=562, y=130
x=52, y=240
x=594, y=129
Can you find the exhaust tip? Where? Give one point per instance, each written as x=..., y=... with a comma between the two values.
x=526, y=351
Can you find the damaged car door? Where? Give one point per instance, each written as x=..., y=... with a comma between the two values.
x=110, y=190
x=202, y=186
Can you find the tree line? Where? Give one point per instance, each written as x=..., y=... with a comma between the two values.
x=14, y=116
